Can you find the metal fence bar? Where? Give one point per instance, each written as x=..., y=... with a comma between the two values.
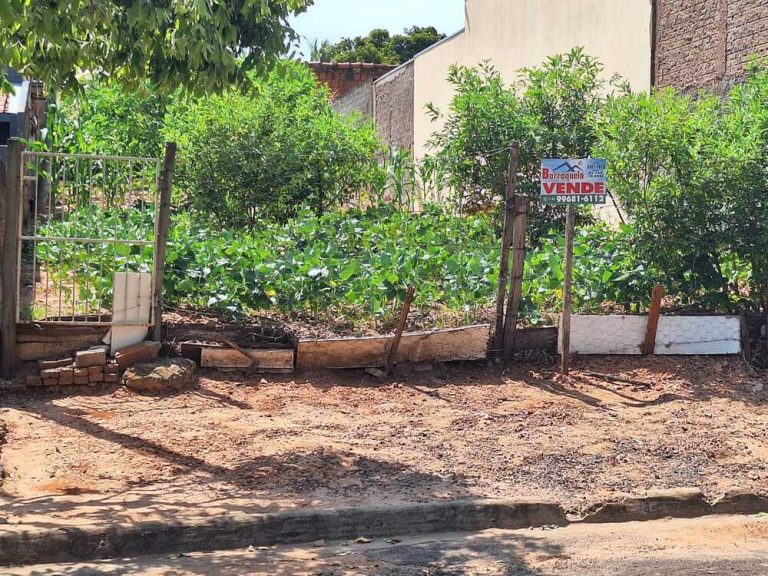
x=117, y=184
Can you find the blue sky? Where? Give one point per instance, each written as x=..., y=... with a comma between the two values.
x=333, y=19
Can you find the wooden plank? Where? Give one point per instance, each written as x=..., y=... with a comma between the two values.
x=518, y=267
x=565, y=324
x=52, y=333
x=506, y=242
x=653, y=320
x=536, y=339
x=469, y=343
x=29, y=351
x=11, y=250
x=275, y=360
x=161, y=239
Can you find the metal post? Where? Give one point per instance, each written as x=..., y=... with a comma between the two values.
x=161, y=238
x=565, y=325
x=10, y=256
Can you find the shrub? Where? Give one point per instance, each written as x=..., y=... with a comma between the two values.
x=247, y=157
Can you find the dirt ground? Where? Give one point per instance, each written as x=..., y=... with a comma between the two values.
x=329, y=439
x=737, y=546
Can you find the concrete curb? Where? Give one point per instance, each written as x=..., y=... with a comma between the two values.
x=292, y=527
x=677, y=503
x=302, y=526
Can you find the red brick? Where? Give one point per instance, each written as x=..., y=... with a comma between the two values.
x=34, y=381
x=111, y=378
x=50, y=381
x=81, y=381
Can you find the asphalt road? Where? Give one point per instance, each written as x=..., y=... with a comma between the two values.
x=723, y=545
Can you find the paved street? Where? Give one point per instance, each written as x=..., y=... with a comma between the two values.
x=716, y=545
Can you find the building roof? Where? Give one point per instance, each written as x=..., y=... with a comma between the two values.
x=4, y=99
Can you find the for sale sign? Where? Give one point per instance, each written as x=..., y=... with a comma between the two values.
x=573, y=182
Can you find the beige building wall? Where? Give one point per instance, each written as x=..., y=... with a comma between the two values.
x=514, y=34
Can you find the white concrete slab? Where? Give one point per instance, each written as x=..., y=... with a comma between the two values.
x=677, y=335
x=132, y=305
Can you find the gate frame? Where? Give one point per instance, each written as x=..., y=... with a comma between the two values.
x=13, y=238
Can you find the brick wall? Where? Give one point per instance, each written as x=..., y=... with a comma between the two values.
x=358, y=100
x=706, y=43
x=394, y=107
x=342, y=78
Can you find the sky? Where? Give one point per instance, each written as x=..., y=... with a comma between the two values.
x=334, y=19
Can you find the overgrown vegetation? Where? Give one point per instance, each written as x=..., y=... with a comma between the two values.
x=244, y=159
x=353, y=265
x=688, y=172
x=282, y=205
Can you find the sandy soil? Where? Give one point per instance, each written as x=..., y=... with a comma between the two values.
x=341, y=439
x=737, y=546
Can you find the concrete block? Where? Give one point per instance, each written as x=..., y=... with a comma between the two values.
x=656, y=504
x=89, y=358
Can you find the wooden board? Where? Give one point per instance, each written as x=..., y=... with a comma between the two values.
x=274, y=361
x=470, y=343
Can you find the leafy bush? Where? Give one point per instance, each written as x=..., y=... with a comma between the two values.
x=106, y=119
x=690, y=172
x=244, y=158
x=551, y=112
x=356, y=265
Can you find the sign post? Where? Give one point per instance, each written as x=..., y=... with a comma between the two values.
x=566, y=182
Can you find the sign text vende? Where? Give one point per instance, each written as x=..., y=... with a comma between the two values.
x=567, y=181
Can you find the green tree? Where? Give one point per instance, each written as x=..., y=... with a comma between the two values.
x=379, y=47
x=103, y=118
x=551, y=111
x=203, y=46
x=244, y=158
x=666, y=165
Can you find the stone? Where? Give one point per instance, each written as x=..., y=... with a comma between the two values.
x=161, y=375
x=89, y=358
x=142, y=352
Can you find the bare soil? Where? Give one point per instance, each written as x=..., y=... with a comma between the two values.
x=329, y=439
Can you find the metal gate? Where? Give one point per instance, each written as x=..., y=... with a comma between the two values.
x=87, y=221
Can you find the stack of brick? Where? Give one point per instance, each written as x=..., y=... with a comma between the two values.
x=89, y=368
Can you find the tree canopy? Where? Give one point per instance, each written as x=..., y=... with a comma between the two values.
x=201, y=46
x=379, y=47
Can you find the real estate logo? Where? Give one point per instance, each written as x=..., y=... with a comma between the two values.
x=565, y=181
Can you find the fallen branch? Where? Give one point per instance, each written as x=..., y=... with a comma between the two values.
x=253, y=362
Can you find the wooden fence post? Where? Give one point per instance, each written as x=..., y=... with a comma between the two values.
x=565, y=325
x=506, y=242
x=161, y=238
x=518, y=267
x=653, y=320
x=10, y=256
